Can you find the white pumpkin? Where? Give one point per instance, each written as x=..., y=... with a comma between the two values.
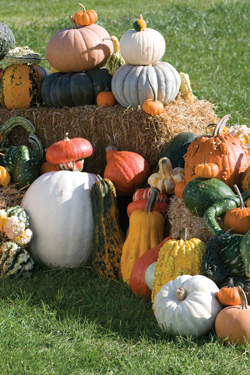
x=187, y=305
x=131, y=84
x=60, y=212
x=142, y=47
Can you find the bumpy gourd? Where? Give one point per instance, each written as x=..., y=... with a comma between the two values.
x=115, y=60
x=7, y=40
x=14, y=260
x=108, y=235
x=167, y=177
x=176, y=258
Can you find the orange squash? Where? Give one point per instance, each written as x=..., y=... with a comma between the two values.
x=238, y=219
x=85, y=17
x=105, y=99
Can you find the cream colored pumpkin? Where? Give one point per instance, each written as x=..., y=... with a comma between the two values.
x=60, y=212
x=187, y=305
x=130, y=84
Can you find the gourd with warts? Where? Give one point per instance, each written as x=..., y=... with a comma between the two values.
x=115, y=60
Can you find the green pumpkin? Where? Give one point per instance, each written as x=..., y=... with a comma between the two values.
x=75, y=89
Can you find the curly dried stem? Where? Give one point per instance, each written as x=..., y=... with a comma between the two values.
x=83, y=7
x=180, y=294
x=221, y=125
x=242, y=203
x=243, y=298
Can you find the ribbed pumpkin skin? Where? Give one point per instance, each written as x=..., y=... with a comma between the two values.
x=20, y=86
x=131, y=87
x=75, y=50
x=143, y=47
x=72, y=89
x=108, y=236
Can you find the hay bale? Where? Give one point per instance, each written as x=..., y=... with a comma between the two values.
x=129, y=129
x=10, y=196
x=179, y=216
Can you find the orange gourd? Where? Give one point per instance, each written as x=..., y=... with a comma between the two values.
x=47, y=167
x=238, y=219
x=140, y=198
x=105, y=99
x=229, y=295
x=153, y=106
x=4, y=176
x=206, y=170
x=85, y=17
x=179, y=188
x=232, y=324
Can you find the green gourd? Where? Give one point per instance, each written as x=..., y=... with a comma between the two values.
x=14, y=260
x=7, y=40
x=22, y=163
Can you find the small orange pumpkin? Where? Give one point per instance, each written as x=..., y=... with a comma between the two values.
x=179, y=188
x=229, y=295
x=153, y=106
x=47, y=167
x=238, y=219
x=206, y=170
x=85, y=17
x=105, y=99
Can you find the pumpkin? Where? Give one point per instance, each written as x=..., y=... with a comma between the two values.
x=153, y=106
x=145, y=232
x=187, y=305
x=60, y=211
x=229, y=295
x=105, y=99
x=85, y=48
x=178, y=257
x=48, y=167
x=206, y=170
x=143, y=47
x=108, y=236
x=167, y=177
x=226, y=151
x=138, y=273
x=127, y=170
x=179, y=188
x=115, y=60
x=4, y=176
x=238, y=219
x=73, y=89
x=69, y=154
x=140, y=24
x=245, y=181
x=20, y=86
x=85, y=17
x=232, y=323
x=139, y=201
x=130, y=83
x=7, y=40
x=145, y=194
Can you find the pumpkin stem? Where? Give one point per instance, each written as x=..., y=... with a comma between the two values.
x=115, y=42
x=220, y=125
x=83, y=7
x=238, y=121
x=180, y=294
x=231, y=283
x=98, y=178
x=205, y=160
x=111, y=148
x=154, y=93
x=184, y=234
x=242, y=203
x=140, y=17
x=151, y=200
x=66, y=138
x=74, y=25
x=243, y=298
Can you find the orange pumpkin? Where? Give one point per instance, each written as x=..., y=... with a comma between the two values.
x=206, y=170
x=232, y=324
x=153, y=106
x=87, y=47
x=47, y=167
x=238, y=219
x=179, y=188
x=227, y=152
x=85, y=17
x=229, y=295
x=105, y=99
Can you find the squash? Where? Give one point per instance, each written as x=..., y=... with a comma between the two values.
x=140, y=24
x=108, y=235
x=105, y=99
x=238, y=219
x=130, y=83
x=229, y=295
x=73, y=89
x=14, y=260
x=21, y=85
x=232, y=323
x=206, y=170
x=115, y=60
x=60, y=211
x=4, y=176
x=127, y=170
x=152, y=106
x=47, y=167
x=7, y=39
x=200, y=193
x=138, y=273
x=178, y=257
x=22, y=55
x=85, y=17
x=244, y=252
x=140, y=198
x=143, y=47
x=85, y=48
x=187, y=305
x=145, y=232
x=227, y=152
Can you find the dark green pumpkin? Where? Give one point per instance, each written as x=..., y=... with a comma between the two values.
x=200, y=193
x=75, y=89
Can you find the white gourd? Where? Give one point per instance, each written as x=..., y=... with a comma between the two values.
x=131, y=87
x=142, y=48
x=150, y=275
x=194, y=314
x=60, y=212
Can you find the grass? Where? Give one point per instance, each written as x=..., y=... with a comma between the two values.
x=70, y=321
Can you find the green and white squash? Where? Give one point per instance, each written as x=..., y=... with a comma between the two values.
x=14, y=260
x=7, y=40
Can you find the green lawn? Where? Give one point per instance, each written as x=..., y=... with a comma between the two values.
x=70, y=322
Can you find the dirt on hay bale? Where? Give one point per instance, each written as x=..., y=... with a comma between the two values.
x=128, y=129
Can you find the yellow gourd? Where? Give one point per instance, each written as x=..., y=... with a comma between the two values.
x=176, y=258
x=167, y=177
x=4, y=176
x=145, y=232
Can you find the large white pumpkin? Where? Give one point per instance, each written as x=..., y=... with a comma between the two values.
x=194, y=314
x=131, y=87
x=142, y=47
x=60, y=212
